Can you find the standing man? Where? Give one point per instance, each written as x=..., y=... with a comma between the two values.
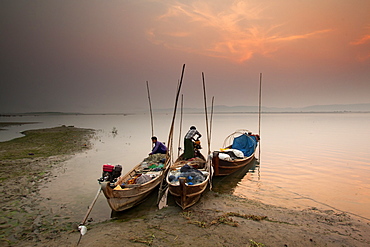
x=189, y=142
x=159, y=147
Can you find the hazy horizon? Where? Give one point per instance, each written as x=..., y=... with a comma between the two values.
x=336, y=108
x=96, y=56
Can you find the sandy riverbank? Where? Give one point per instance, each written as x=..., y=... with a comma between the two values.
x=224, y=220
x=217, y=220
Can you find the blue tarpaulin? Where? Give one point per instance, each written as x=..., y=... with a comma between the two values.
x=245, y=143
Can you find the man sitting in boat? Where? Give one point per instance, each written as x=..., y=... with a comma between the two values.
x=159, y=147
x=189, y=142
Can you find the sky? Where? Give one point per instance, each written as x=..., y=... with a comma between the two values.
x=96, y=56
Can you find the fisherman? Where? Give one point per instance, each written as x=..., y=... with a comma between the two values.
x=159, y=147
x=189, y=142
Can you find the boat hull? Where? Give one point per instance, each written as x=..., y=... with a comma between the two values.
x=120, y=200
x=131, y=195
x=186, y=195
x=224, y=167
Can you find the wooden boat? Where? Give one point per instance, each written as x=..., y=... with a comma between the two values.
x=223, y=167
x=181, y=188
x=227, y=184
x=125, y=193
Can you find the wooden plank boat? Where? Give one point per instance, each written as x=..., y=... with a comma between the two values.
x=227, y=184
x=185, y=192
x=125, y=194
x=223, y=167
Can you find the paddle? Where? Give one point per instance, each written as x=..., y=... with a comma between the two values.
x=81, y=227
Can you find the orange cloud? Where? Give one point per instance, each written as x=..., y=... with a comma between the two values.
x=301, y=36
x=362, y=44
x=235, y=31
x=362, y=40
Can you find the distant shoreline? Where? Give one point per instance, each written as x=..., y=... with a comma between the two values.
x=217, y=109
x=6, y=124
x=164, y=112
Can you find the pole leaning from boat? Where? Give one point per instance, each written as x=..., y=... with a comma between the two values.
x=170, y=135
x=259, y=127
x=82, y=228
x=208, y=124
x=175, y=107
x=205, y=110
x=259, y=115
x=180, y=128
x=211, y=120
x=150, y=107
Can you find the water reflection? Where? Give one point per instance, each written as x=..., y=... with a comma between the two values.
x=227, y=184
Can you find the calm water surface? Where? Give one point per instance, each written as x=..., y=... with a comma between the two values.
x=306, y=160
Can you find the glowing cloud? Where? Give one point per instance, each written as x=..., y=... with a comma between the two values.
x=363, y=55
x=234, y=31
x=363, y=40
x=301, y=36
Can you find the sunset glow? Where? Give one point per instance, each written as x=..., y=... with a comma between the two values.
x=314, y=52
x=234, y=33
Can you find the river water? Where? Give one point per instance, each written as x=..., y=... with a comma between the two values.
x=305, y=160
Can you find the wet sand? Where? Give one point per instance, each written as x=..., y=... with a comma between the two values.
x=25, y=164
x=216, y=220
x=223, y=220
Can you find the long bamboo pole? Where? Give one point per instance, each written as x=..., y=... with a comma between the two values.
x=91, y=207
x=180, y=129
x=87, y=215
x=259, y=115
x=205, y=111
x=176, y=101
x=209, y=156
x=211, y=121
x=150, y=107
x=170, y=134
x=177, y=89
